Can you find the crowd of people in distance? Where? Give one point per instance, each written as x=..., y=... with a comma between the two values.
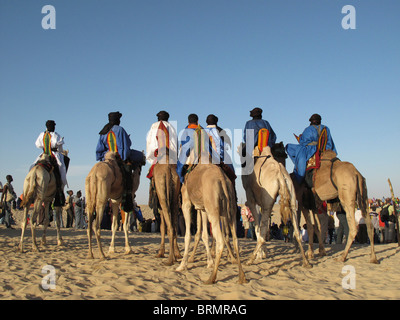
x=335, y=230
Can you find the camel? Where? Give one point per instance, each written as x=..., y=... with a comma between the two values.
x=340, y=179
x=262, y=185
x=167, y=185
x=40, y=188
x=104, y=182
x=209, y=190
x=311, y=216
x=314, y=220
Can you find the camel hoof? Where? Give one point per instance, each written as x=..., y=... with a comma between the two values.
x=181, y=268
x=243, y=280
x=60, y=243
x=340, y=259
x=90, y=256
x=178, y=256
x=322, y=253
x=250, y=262
x=307, y=265
x=160, y=255
x=374, y=261
x=209, y=281
x=128, y=251
x=168, y=263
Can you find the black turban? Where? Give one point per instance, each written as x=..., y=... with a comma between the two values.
x=256, y=113
x=113, y=119
x=50, y=125
x=315, y=119
x=162, y=116
x=212, y=119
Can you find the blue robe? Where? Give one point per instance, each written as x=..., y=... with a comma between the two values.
x=213, y=132
x=256, y=125
x=123, y=144
x=300, y=153
x=187, y=145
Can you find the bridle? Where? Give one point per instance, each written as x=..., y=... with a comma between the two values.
x=266, y=158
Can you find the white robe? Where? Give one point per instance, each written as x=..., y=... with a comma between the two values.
x=152, y=144
x=56, y=142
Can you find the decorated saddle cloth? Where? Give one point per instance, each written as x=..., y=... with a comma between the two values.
x=323, y=182
x=163, y=145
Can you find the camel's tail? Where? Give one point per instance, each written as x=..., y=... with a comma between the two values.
x=168, y=187
x=362, y=194
x=285, y=193
x=227, y=205
x=30, y=185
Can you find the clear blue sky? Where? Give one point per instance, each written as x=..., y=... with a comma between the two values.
x=291, y=58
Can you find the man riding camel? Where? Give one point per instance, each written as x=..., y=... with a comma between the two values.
x=256, y=124
x=186, y=145
x=114, y=138
x=52, y=144
x=154, y=141
x=303, y=154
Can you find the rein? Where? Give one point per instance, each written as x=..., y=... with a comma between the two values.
x=266, y=158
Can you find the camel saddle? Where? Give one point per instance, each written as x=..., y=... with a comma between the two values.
x=323, y=184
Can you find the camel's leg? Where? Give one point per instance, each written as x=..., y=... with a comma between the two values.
x=175, y=228
x=114, y=206
x=58, y=217
x=226, y=239
x=89, y=233
x=308, y=216
x=45, y=222
x=128, y=248
x=97, y=229
x=296, y=232
x=94, y=227
x=204, y=237
x=257, y=218
x=161, y=251
x=242, y=277
x=170, y=230
x=36, y=209
x=216, y=229
x=264, y=229
x=350, y=216
x=197, y=235
x=261, y=220
x=186, y=206
x=370, y=229
x=24, y=223
x=322, y=228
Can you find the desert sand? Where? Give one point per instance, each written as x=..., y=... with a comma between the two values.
x=142, y=276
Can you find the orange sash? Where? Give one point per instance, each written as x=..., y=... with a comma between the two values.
x=263, y=136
